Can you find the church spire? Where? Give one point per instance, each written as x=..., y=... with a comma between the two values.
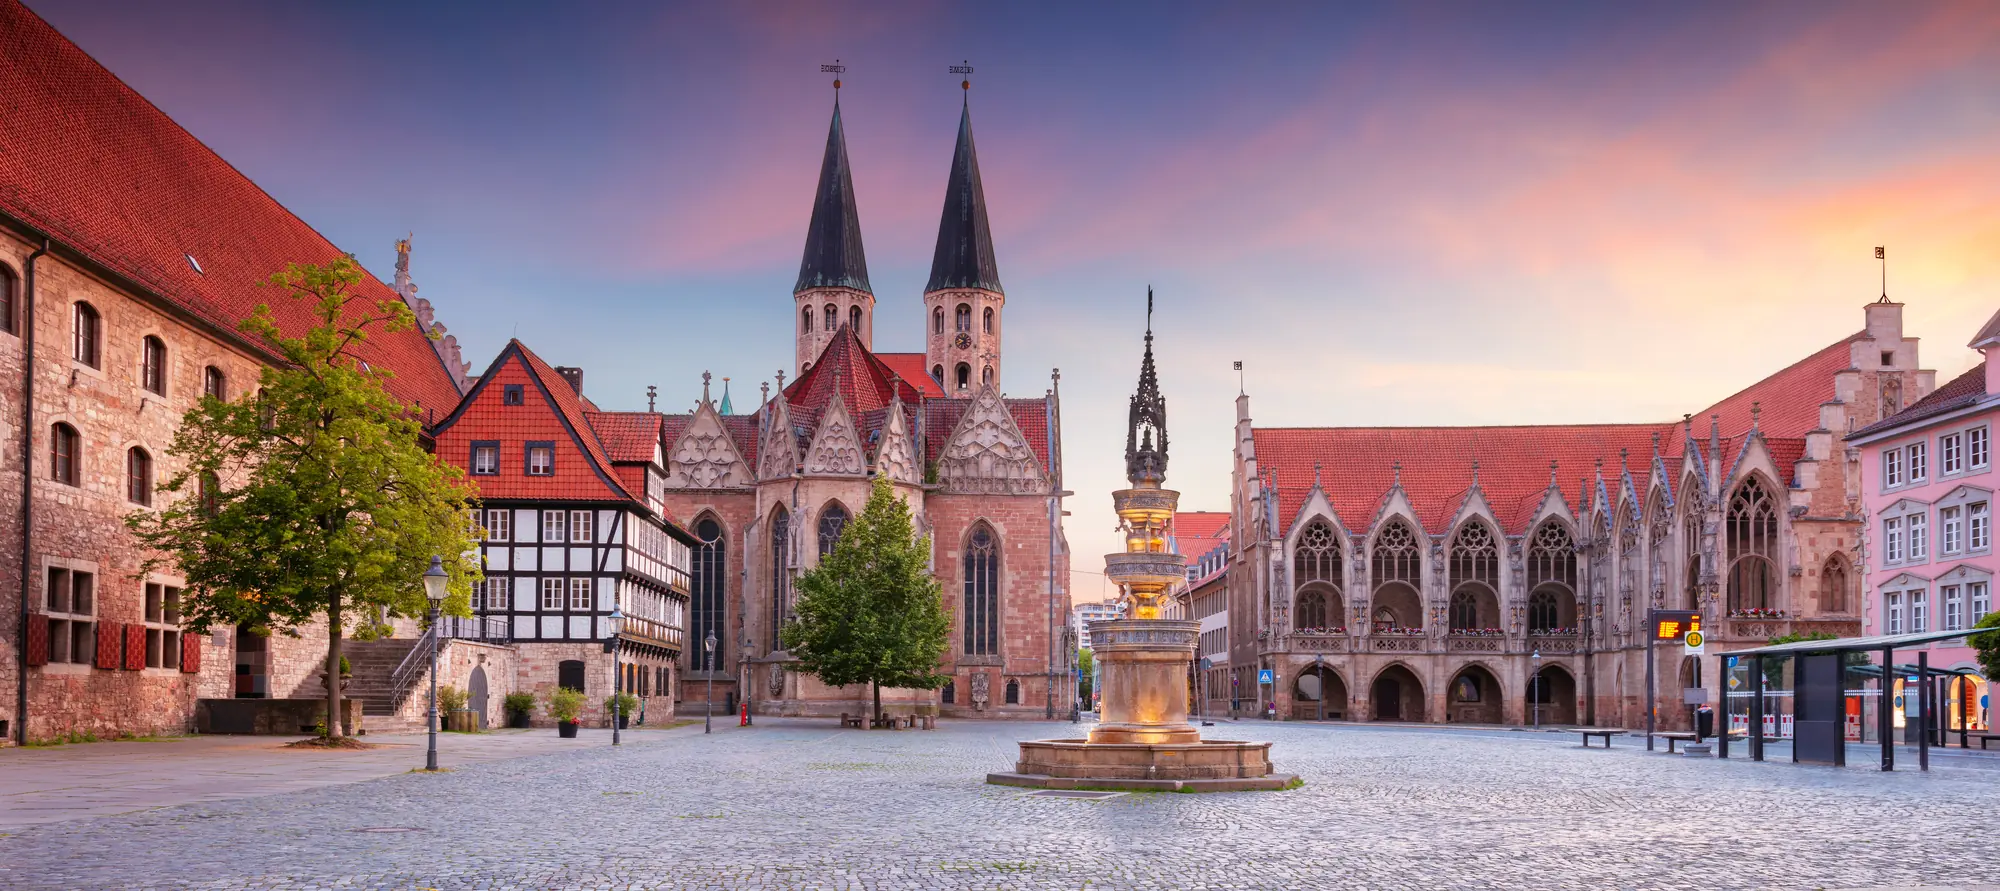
x=1145, y=460
x=834, y=258
x=964, y=257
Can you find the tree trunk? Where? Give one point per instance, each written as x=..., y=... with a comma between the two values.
x=333, y=666
x=878, y=697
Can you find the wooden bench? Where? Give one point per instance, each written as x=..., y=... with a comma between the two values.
x=847, y=720
x=1677, y=737
x=1600, y=734
x=1985, y=738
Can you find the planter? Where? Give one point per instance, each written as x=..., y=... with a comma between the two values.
x=624, y=721
x=462, y=721
x=518, y=720
x=566, y=729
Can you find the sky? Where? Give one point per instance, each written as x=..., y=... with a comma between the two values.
x=1393, y=215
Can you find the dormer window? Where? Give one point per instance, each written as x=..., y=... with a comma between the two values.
x=510, y=394
x=541, y=459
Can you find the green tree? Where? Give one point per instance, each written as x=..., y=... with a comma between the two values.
x=1987, y=645
x=871, y=613
x=1084, y=668
x=313, y=497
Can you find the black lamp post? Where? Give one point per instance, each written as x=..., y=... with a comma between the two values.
x=617, y=677
x=1535, y=691
x=1319, y=674
x=708, y=707
x=435, y=581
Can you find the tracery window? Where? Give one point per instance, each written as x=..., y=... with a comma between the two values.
x=1475, y=574
x=1833, y=585
x=781, y=576
x=1628, y=554
x=1691, y=536
x=1310, y=615
x=708, y=586
x=1397, y=557
x=1464, y=611
x=1316, y=572
x=982, y=593
x=1552, y=557
x=831, y=521
x=1544, y=612
x=1658, y=527
x=963, y=317
x=1752, y=535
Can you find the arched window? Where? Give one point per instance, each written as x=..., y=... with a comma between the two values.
x=1397, y=557
x=138, y=476
x=65, y=455
x=1752, y=533
x=1551, y=557
x=10, y=290
x=1833, y=585
x=964, y=317
x=1627, y=526
x=832, y=318
x=1464, y=611
x=1310, y=615
x=964, y=375
x=153, y=365
x=1659, y=524
x=781, y=576
x=937, y=320
x=854, y=318
x=708, y=585
x=831, y=521
x=1544, y=612
x=1475, y=576
x=213, y=384
x=89, y=333
x=982, y=592
x=806, y=320
x=986, y=375
x=1316, y=570
x=1013, y=692
x=937, y=374
x=1691, y=585
x=989, y=320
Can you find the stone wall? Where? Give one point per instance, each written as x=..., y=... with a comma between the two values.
x=537, y=665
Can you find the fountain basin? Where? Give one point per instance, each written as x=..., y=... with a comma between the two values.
x=1206, y=766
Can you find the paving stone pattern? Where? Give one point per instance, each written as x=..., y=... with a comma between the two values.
x=801, y=805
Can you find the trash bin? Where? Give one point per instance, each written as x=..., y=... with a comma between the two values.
x=1704, y=722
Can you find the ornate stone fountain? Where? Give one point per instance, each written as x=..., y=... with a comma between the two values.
x=1144, y=741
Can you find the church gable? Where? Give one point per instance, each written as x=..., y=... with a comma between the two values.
x=896, y=457
x=778, y=455
x=836, y=447
x=705, y=456
x=988, y=453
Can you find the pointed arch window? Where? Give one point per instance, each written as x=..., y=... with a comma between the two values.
x=1397, y=557
x=989, y=320
x=1751, y=532
x=138, y=476
x=982, y=592
x=854, y=318
x=1544, y=612
x=1310, y=615
x=1316, y=570
x=65, y=455
x=1628, y=554
x=963, y=318
x=781, y=573
x=1833, y=585
x=709, y=585
x=1552, y=557
x=831, y=521
x=1475, y=557
x=89, y=334
x=1464, y=611
x=806, y=320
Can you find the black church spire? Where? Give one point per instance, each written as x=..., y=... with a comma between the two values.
x=834, y=258
x=964, y=257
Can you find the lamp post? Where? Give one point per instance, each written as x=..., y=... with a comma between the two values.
x=1319, y=674
x=708, y=707
x=617, y=677
x=1535, y=690
x=435, y=581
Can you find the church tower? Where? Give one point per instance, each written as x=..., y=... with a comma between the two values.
x=963, y=301
x=833, y=285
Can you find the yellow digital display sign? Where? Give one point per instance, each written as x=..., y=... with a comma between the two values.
x=1674, y=624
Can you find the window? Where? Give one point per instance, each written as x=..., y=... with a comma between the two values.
x=937, y=374
x=806, y=320
x=1833, y=585
x=964, y=375
x=482, y=595
x=1892, y=468
x=64, y=455
x=163, y=626
x=580, y=523
x=1013, y=692
x=708, y=591
x=854, y=318
x=9, y=291
x=555, y=526
x=486, y=459
x=1893, y=609
x=1543, y=612
x=962, y=319
x=1975, y=447
x=982, y=593
x=1919, y=605
x=1920, y=538
x=1752, y=531
x=1888, y=358
x=1465, y=611
x=214, y=384
x=71, y=598
x=1892, y=541
x=510, y=394
x=1919, y=462
x=153, y=365
x=499, y=525
x=1954, y=607
x=832, y=318
x=541, y=458
x=1979, y=527
x=1981, y=601
x=579, y=595
x=937, y=320
x=552, y=595
x=831, y=521
x=89, y=334
x=1310, y=615
x=1951, y=454
x=989, y=320
x=1951, y=530
x=781, y=576
x=138, y=476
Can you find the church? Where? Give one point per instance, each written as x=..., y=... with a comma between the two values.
x=766, y=494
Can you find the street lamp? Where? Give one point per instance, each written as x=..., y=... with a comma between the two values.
x=1319, y=674
x=1535, y=690
x=435, y=581
x=708, y=708
x=617, y=678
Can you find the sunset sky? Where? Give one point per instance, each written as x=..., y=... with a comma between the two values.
x=1453, y=214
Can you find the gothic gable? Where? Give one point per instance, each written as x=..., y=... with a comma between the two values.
x=896, y=457
x=836, y=446
x=987, y=452
x=778, y=455
x=705, y=457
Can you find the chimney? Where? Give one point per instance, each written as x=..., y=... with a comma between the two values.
x=574, y=376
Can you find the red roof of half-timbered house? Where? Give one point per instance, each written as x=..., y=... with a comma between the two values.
x=550, y=411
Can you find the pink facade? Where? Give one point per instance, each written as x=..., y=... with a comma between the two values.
x=1928, y=486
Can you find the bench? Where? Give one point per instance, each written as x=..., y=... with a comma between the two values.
x=1985, y=738
x=1600, y=734
x=1677, y=737
x=847, y=720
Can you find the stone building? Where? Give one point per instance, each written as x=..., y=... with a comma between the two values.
x=1502, y=574
x=766, y=494
x=129, y=253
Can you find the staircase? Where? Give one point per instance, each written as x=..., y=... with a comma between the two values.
x=374, y=664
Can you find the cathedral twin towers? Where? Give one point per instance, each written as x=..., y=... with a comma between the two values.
x=962, y=302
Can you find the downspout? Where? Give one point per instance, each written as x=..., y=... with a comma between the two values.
x=27, y=480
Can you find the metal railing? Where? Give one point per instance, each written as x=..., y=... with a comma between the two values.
x=411, y=669
x=484, y=628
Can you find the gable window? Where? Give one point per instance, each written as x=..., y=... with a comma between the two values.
x=1975, y=448
x=962, y=318
x=1892, y=468
x=1920, y=466
x=89, y=334
x=138, y=476
x=555, y=526
x=541, y=458
x=1954, y=607
x=64, y=454
x=163, y=625
x=9, y=287
x=213, y=384
x=71, y=600
x=499, y=525
x=982, y=600
x=1951, y=530
x=510, y=394
x=580, y=525
x=579, y=595
x=485, y=459
x=1752, y=533
x=552, y=595
x=1951, y=454
x=1979, y=527
x=1920, y=538
x=1892, y=607
x=153, y=365
x=1892, y=540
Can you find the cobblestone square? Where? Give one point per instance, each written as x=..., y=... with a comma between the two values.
x=799, y=804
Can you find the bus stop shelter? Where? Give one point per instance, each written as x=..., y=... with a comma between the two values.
x=1818, y=699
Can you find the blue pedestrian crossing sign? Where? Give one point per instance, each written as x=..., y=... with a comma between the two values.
x=1265, y=676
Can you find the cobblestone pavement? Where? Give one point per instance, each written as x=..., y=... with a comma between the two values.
x=801, y=805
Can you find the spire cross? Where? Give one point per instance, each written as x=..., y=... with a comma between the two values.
x=651, y=393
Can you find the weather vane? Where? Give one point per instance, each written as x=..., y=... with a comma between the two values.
x=835, y=68
x=964, y=69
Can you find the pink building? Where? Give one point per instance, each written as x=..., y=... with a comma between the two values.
x=1927, y=494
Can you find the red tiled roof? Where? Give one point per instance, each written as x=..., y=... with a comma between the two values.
x=845, y=366
x=1196, y=532
x=1960, y=392
x=1790, y=398
x=911, y=367
x=549, y=411
x=89, y=161
x=628, y=436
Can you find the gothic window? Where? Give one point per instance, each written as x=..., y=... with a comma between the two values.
x=1628, y=552
x=989, y=320
x=964, y=375
x=89, y=331
x=1013, y=692
x=854, y=318
x=214, y=384
x=1464, y=611
x=806, y=320
x=832, y=318
x=1833, y=585
x=1397, y=556
x=1544, y=612
x=709, y=585
x=1752, y=537
x=949, y=695
x=937, y=320
x=153, y=365
x=1310, y=615
x=1316, y=571
x=1658, y=526
x=831, y=520
x=1475, y=574
x=982, y=598
x=1551, y=557
x=1691, y=534
x=65, y=455
x=781, y=577
x=138, y=476
x=937, y=374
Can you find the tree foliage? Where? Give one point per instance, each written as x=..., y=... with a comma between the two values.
x=314, y=496
x=871, y=613
x=1987, y=645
